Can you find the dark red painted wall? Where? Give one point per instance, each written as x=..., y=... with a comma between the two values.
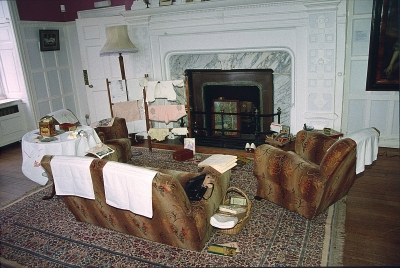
x=49, y=10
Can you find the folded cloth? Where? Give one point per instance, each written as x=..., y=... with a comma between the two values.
x=135, y=88
x=182, y=131
x=129, y=187
x=223, y=221
x=130, y=110
x=158, y=133
x=137, y=126
x=162, y=90
x=71, y=175
x=166, y=113
x=367, y=147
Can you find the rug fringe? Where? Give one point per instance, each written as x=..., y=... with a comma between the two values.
x=335, y=235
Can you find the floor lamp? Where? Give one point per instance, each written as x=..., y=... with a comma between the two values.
x=118, y=42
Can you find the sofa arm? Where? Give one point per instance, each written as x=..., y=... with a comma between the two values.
x=312, y=145
x=341, y=155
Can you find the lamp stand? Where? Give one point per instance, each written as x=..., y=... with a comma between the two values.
x=122, y=67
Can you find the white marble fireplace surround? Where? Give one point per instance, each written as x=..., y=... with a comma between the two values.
x=302, y=41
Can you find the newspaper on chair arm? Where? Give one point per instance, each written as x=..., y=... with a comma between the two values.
x=100, y=150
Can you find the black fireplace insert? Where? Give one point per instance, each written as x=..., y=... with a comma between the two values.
x=229, y=108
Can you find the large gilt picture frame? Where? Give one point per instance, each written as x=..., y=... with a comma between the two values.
x=383, y=61
x=229, y=122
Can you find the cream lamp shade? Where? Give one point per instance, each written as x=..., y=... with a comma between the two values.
x=117, y=41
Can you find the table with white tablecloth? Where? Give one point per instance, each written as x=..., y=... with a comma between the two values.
x=33, y=150
x=367, y=146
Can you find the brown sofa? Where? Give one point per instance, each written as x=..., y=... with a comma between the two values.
x=176, y=221
x=309, y=180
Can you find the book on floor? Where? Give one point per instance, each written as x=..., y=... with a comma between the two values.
x=222, y=250
x=220, y=162
x=230, y=244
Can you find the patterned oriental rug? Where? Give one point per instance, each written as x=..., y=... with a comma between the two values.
x=37, y=233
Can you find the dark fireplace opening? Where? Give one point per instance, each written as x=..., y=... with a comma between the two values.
x=229, y=108
x=248, y=98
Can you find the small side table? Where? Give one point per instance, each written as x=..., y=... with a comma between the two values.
x=286, y=144
x=33, y=152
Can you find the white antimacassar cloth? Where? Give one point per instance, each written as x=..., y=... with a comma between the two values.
x=71, y=175
x=129, y=187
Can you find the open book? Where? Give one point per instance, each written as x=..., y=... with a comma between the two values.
x=220, y=162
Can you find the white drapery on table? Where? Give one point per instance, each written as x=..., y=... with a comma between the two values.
x=367, y=147
x=32, y=152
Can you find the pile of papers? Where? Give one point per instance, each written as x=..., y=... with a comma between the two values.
x=220, y=162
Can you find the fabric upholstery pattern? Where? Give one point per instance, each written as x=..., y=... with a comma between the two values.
x=320, y=172
x=176, y=221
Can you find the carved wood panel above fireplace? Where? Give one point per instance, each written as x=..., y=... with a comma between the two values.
x=251, y=87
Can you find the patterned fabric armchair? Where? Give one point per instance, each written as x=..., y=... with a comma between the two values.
x=309, y=180
x=116, y=137
x=176, y=221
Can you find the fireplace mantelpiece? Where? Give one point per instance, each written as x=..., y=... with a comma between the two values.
x=310, y=32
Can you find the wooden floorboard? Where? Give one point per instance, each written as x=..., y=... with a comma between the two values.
x=373, y=214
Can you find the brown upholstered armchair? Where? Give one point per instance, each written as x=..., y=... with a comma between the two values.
x=116, y=137
x=309, y=180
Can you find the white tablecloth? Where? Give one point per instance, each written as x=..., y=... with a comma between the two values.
x=32, y=152
x=367, y=147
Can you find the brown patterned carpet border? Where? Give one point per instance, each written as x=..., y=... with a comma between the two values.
x=37, y=233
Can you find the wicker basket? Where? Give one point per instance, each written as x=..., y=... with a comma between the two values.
x=238, y=227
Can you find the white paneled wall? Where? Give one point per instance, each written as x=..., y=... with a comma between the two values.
x=361, y=108
x=51, y=75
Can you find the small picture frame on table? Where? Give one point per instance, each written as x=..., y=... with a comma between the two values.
x=285, y=129
x=49, y=40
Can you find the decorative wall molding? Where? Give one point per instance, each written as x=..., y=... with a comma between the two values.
x=307, y=29
x=101, y=12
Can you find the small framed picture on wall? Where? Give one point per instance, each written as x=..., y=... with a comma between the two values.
x=49, y=40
